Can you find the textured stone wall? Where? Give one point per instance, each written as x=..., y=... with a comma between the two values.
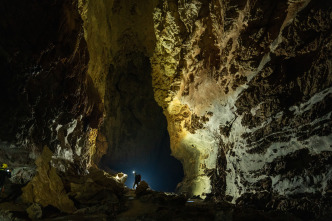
x=246, y=87
x=47, y=188
x=46, y=96
x=120, y=38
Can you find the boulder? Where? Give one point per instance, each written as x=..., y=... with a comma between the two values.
x=46, y=187
x=35, y=211
x=142, y=188
x=121, y=177
x=96, y=191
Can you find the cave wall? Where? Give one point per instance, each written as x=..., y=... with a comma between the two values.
x=246, y=86
x=46, y=96
x=120, y=38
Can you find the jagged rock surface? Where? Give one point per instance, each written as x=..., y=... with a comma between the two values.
x=47, y=188
x=46, y=98
x=246, y=87
x=50, y=101
x=120, y=68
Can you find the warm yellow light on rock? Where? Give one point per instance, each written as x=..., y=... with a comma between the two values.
x=92, y=145
x=46, y=187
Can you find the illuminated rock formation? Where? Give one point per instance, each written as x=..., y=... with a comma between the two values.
x=119, y=65
x=46, y=188
x=245, y=87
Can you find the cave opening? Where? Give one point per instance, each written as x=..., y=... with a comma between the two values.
x=135, y=126
x=159, y=169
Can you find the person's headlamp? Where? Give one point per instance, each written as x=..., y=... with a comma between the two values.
x=7, y=170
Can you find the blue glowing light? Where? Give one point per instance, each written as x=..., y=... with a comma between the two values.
x=158, y=168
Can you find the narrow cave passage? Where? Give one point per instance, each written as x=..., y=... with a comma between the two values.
x=135, y=127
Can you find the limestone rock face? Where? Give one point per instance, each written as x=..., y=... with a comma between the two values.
x=97, y=191
x=120, y=39
x=96, y=188
x=46, y=96
x=47, y=188
x=246, y=86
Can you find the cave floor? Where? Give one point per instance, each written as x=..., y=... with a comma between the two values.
x=157, y=206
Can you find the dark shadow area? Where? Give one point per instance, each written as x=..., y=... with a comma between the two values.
x=135, y=126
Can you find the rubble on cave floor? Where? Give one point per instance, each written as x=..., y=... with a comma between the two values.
x=140, y=205
x=102, y=196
